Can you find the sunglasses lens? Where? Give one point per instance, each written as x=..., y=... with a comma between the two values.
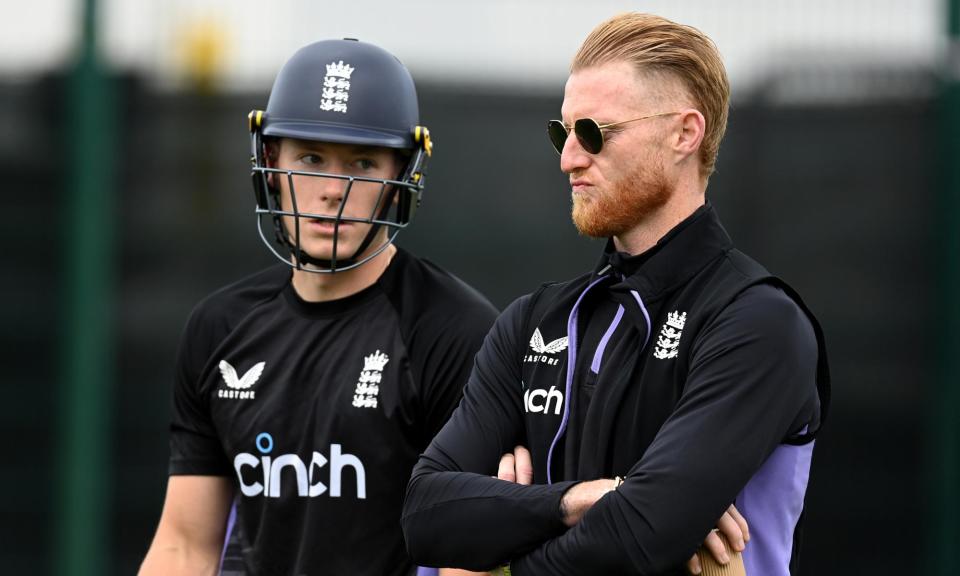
x=558, y=134
x=589, y=134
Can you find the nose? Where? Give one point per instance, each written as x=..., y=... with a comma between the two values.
x=573, y=157
x=330, y=189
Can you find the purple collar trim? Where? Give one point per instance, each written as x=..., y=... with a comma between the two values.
x=598, y=355
x=595, y=365
x=571, y=366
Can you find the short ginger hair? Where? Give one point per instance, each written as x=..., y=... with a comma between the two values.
x=653, y=44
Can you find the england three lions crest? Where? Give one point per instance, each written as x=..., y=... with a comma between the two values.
x=367, y=391
x=336, y=87
x=670, y=333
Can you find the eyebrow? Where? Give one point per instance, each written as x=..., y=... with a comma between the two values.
x=317, y=146
x=594, y=118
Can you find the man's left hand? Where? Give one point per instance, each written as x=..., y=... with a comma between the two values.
x=734, y=528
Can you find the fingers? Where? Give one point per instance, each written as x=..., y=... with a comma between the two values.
x=741, y=521
x=733, y=526
x=516, y=467
x=507, y=468
x=523, y=465
x=732, y=529
x=715, y=546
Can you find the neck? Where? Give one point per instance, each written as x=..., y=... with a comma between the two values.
x=313, y=287
x=646, y=233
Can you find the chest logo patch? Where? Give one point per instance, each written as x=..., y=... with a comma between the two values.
x=543, y=401
x=368, y=384
x=336, y=87
x=670, y=334
x=239, y=387
x=541, y=349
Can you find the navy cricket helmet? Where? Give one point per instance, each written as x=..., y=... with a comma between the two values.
x=342, y=92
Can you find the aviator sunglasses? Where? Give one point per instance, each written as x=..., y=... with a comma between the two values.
x=589, y=132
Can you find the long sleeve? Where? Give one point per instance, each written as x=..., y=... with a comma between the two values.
x=455, y=513
x=751, y=385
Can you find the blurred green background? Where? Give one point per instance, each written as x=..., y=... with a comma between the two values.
x=124, y=151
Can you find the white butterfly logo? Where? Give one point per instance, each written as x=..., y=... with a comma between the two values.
x=248, y=380
x=536, y=343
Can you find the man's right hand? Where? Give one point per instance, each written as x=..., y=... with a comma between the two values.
x=516, y=467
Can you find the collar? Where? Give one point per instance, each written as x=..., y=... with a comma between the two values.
x=679, y=255
x=384, y=284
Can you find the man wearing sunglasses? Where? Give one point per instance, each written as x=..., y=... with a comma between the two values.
x=676, y=377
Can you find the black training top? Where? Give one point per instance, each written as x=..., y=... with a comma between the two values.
x=689, y=370
x=318, y=411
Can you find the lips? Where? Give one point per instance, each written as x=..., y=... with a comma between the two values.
x=327, y=226
x=579, y=185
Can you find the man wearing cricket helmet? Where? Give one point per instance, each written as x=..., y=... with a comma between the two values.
x=305, y=393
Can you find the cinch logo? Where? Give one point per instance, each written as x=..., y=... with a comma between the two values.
x=541, y=350
x=269, y=477
x=537, y=401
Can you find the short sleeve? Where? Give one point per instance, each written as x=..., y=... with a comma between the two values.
x=194, y=445
x=444, y=358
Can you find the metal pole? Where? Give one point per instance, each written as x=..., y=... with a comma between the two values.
x=83, y=455
x=945, y=501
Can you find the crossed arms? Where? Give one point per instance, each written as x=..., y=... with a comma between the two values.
x=743, y=396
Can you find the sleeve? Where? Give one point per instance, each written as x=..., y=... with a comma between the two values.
x=752, y=383
x=444, y=365
x=455, y=513
x=195, y=448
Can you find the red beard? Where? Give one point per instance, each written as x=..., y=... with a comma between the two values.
x=632, y=200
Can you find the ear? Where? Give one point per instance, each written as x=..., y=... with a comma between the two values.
x=690, y=134
x=271, y=150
